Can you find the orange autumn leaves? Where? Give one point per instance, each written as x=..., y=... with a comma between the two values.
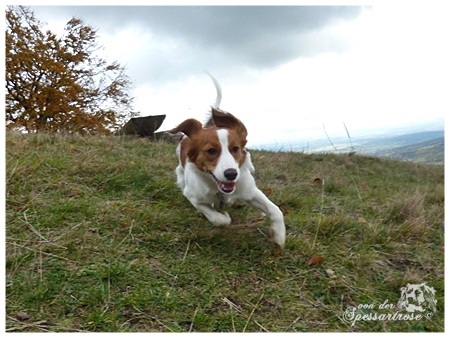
x=57, y=84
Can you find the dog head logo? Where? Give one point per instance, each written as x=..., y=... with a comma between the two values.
x=417, y=297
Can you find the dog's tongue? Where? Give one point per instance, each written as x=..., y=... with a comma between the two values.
x=226, y=186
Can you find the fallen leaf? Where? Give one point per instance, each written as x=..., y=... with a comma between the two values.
x=277, y=251
x=364, y=186
x=313, y=260
x=269, y=191
x=259, y=219
x=317, y=180
x=285, y=210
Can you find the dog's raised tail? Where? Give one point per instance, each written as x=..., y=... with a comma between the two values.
x=209, y=122
x=218, y=90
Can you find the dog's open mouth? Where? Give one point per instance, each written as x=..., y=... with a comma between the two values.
x=226, y=187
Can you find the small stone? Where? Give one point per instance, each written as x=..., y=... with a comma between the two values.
x=23, y=316
x=330, y=273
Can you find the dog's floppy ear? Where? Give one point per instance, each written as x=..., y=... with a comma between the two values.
x=188, y=127
x=222, y=119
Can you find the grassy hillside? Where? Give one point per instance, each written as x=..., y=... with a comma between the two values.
x=99, y=238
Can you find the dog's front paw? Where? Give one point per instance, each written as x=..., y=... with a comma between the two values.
x=278, y=235
x=219, y=219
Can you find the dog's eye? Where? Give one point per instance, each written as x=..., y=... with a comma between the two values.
x=212, y=151
x=235, y=149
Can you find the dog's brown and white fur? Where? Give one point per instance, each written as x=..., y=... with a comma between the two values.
x=214, y=168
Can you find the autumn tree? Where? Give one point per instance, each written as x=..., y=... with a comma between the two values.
x=59, y=84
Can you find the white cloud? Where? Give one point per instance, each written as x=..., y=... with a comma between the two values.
x=386, y=67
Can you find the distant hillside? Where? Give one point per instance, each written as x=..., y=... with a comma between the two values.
x=405, y=139
x=421, y=147
x=431, y=151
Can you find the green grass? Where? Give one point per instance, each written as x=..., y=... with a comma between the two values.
x=99, y=238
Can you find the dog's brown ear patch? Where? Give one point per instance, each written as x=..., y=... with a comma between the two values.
x=188, y=127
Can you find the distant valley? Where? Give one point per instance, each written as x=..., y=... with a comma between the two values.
x=421, y=147
x=430, y=150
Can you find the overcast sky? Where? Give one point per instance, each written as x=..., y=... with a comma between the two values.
x=284, y=71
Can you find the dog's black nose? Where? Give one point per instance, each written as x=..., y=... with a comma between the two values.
x=230, y=174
